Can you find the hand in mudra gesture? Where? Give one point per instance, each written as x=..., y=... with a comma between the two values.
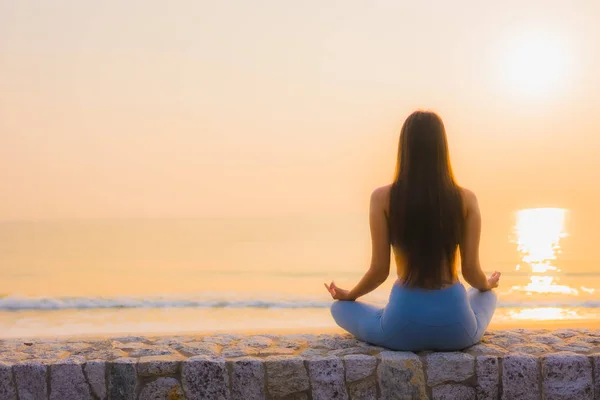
x=338, y=293
x=494, y=280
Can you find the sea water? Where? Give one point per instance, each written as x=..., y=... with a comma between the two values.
x=69, y=277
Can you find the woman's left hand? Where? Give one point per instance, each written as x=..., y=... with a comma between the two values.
x=338, y=293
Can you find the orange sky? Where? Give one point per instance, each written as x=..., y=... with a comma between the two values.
x=143, y=108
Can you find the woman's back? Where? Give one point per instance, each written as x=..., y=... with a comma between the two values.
x=448, y=272
x=424, y=218
x=426, y=213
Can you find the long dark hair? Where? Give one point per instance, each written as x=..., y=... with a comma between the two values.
x=426, y=212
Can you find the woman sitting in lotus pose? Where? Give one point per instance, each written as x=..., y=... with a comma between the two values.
x=425, y=218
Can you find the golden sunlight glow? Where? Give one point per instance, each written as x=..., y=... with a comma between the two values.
x=538, y=233
x=544, y=313
x=534, y=64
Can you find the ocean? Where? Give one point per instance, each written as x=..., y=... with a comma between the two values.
x=145, y=276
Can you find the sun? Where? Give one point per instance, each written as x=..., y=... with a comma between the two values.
x=534, y=64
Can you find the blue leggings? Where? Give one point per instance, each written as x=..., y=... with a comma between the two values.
x=420, y=319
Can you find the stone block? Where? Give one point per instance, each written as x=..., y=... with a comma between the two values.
x=256, y=341
x=67, y=381
x=247, y=379
x=520, y=377
x=359, y=366
x=488, y=377
x=162, y=389
x=95, y=371
x=7, y=386
x=595, y=358
x=122, y=379
x=400, y=376
x=365, y=389
x=567, y=376
x=205, y=378
x=453, y=392
x=286, y=375
x=449, y=367
x=158, y=365
x=30, y=378
x=327, y=378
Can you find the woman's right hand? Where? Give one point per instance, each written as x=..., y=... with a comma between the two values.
x=493, y=280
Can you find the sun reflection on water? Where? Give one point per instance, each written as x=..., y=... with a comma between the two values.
x=544, y=314
x=538, y=233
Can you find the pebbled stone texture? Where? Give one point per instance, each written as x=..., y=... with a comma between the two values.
x=286, y=375
x=205, y=378
x=247, y=379
x=449, y=367
x=488, y=377
x=516, y=364
x=566, y=376
x=400, y=375
x=520, y=377
x=327, y=378
x=30, y=378
x=122, y=379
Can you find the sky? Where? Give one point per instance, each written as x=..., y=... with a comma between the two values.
x=224, y=108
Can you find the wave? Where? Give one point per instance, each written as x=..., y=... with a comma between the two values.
x=89, y=303
x=14, y=303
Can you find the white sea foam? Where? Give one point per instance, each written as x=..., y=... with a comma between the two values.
x=15, y=303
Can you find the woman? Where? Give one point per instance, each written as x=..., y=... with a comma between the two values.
x=424, y=217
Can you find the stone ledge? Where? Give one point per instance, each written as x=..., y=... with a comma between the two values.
x=515, y=364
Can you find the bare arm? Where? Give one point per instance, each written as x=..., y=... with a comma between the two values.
x=469, y=248
x=380, y=246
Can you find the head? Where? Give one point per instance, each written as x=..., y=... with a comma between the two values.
x=426, y=214
x=423, y=148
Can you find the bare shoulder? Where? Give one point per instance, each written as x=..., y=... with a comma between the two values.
x=380, y=199
x=381, y=195
x=469, y=199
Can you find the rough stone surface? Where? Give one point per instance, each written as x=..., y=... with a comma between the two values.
x=198, y=349
x=240, y=351
x=515, y=364
x=506, y=339
x=449, y=367
x=162, y=389
x=30, y=377
x=574, y=346
x=400, y=375
x=327, y=378
x=68, y=382
x=158, y=365
x=595, y=358
x=122, y=379
x=488, y=377
x=453, y=392
x=286, y=375
x=222, y=340
x=531, y=348
x=95, y=372
x=205, y=378
x=546, y=339
x=520, y=377
x=7, y=386
x=567, y=376
x=247, y=379
x=487, y=348
x=256, y=341
x=359, y=366
x=363, y=390
x=350, y=350
x=276, y=351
